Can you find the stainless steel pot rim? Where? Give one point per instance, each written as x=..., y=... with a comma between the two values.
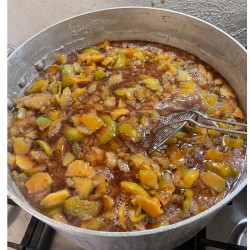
x=131, y=7
x=70, y=228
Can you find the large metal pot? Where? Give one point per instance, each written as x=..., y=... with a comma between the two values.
x=182, y=31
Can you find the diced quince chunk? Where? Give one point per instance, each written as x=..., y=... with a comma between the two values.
x=238, y=113
x=92, y=122
x=175, y=155
x=215, y=155
x=188, y=201
x=148, y=178
x=183, y=76
x=116, y=113
x=68, y=158
x=11, y=159
x=80, y=169
x=109, y=102
x=225, y=90
x=141, y=161
x=21, y=146
x=121, y=61
x=129, y=131
x=190, y=176
x=153, y=84
x=111, y=160
x=36, y=87
x=187, y=88
x=55, y=198
x=126, y=92
x=66, y=98
x=38, y=182
x=24, y=162
x=108, y=202
x=83, y=186
x=35, y=101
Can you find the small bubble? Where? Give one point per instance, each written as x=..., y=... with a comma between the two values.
x=108, y=174
x=119, y=201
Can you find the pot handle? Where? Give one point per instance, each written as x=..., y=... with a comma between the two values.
x=10, y=49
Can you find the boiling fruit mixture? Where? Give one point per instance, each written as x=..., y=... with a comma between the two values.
x=77, y=138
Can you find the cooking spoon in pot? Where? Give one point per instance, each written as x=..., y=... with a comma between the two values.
x=170, y=125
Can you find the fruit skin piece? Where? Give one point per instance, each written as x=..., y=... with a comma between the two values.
x=54, y=128
x=72, y=134
x=188, y=201
x=55, y=198
x=224, y=170
x=134, y=189
x=46, y=147
x=108, y=132
x=151, y=207
x=121, y=216
x=121, y=61
x=38, y=182
x=82, y=209
x=214, y=181
x=129, y=131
